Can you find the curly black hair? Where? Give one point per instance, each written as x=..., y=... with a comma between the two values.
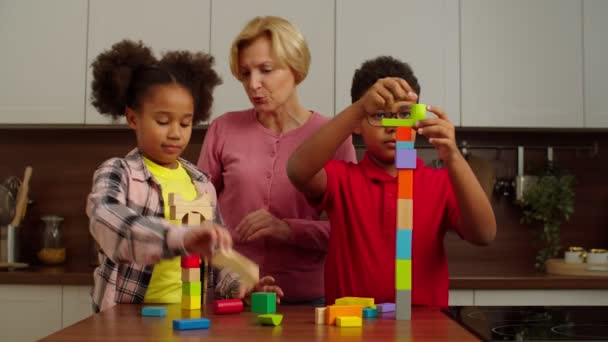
x=380, y=67
x=123, y=74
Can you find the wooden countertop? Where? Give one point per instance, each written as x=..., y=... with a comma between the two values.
x=83, y=275
x=125, y=323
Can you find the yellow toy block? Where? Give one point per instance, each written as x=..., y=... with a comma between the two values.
x=405, y=211
x=348, y=321
x=403, y=274
x=320, y=315
x=363, y=301
x=334, y=311
x=191, y=302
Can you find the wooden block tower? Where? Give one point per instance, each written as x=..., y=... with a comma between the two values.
x=194, y=292
x=405, y=162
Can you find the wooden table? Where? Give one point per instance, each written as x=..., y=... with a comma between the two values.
x=125, y=323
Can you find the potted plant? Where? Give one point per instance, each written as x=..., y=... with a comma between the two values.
x=549, y=201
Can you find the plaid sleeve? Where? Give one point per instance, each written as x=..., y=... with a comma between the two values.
x=122, y=233
x=227, y=285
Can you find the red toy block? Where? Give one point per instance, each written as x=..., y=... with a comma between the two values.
x=404, y=134
x=191, y=261
x=227, y=306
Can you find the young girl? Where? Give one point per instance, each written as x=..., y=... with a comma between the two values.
x=128, y=206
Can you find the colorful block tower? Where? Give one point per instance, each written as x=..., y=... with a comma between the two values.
x=194, y=292
x=405, y=162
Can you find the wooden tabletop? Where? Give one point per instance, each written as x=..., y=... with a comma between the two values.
x=125, y=323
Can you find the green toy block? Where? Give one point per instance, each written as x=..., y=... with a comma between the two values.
x=418, y=111
x=191, y=289
x=398, y=122
x=264, y=302
x=270, y=319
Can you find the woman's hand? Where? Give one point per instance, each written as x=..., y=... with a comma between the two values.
x=259, y=224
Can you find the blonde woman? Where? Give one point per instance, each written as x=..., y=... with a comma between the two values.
x=246, y=153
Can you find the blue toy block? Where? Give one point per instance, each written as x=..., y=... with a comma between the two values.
x=405, y=159
x=405, y=145
x=370, y=313
x=191, y=324
x=386, y=307
x=154, y=311
x=404, y=244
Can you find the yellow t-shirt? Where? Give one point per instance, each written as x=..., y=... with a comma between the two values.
x=166, y=281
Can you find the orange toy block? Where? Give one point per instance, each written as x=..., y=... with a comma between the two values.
x=404, y=134
x=405, y=183
x=333, y=311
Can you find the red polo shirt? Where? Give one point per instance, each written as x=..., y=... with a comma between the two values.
x=360, y=201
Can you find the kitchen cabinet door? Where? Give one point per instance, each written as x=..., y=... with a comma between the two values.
x=161, y=25
x=596, y=62
x=314, y=18
x=29, y=312
x=43, y=61
x=521, y=63
x=541, y=297
x=76, y=303
x=423, y=33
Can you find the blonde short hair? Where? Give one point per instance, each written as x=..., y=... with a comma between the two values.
x=288, y=44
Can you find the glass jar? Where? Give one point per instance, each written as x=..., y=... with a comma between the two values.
x=52, y=251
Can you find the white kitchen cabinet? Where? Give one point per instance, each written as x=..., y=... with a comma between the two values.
x=462, y=297
x=76, y=303
x=315, y=19
x=29, y=312
x=43, y=61
x=161, y=25
x=541, y=297
x=521, y=63
x=422, y=33
x=596, y=62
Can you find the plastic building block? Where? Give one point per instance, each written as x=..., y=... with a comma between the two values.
x=191, y=324
x=404, y=244
x=370, y=313
x=403, y=276
x=418, y=111
x=405, y=210
x=227, y=306
x=398, y=122
x=320, y=317
x=191, y=261
x=405, y=159
x=191, y=302
x=334, y=311
x=404, y=134
x=232, y=260
x=192, y=288
x=263, y=302
x=405, y=183
x=405, y=145
x=403, y=305
x=363, y=301
x=191, y=274
x=270, y=319
x=348, y=321
x=154, y=311
x=385, y=307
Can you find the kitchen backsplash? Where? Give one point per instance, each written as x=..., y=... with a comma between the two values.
x=64, y=160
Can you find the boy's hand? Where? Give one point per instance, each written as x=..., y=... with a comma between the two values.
x=441, y=134
x=261, y=223
x=205, y=238
x=388, y=95
x=266, y=284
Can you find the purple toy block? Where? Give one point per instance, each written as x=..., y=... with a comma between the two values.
x=385, y=307
x=405, y=159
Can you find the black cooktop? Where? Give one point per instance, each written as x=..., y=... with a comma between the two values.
x=534, y=323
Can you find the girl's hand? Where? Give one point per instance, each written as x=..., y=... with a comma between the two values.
x=205, y=238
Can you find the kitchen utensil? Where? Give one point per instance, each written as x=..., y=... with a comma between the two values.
x=22, y=197
x=7, y=206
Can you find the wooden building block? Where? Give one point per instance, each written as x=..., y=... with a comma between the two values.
x=405, y=183
x=191, y=324
x=405, y=211
x=363, y=301
x=404, y=134
x=370, y=312
x=191, y=288
x=320, y=317
x=191, y=274
x=191, y=302
x=403, y=275
x=179, y=207
x=227, y=306
x=334, y=311
x=405, y=159
x=348, y=321
x=385, y=307
x=403, y=305
x=191, y=261
x=194, y=219
x=154, y=311
x=264, y=302
x=247, y=269
x=404, y=244
x=270, y=319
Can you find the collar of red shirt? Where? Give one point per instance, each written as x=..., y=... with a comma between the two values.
x=376, y=173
